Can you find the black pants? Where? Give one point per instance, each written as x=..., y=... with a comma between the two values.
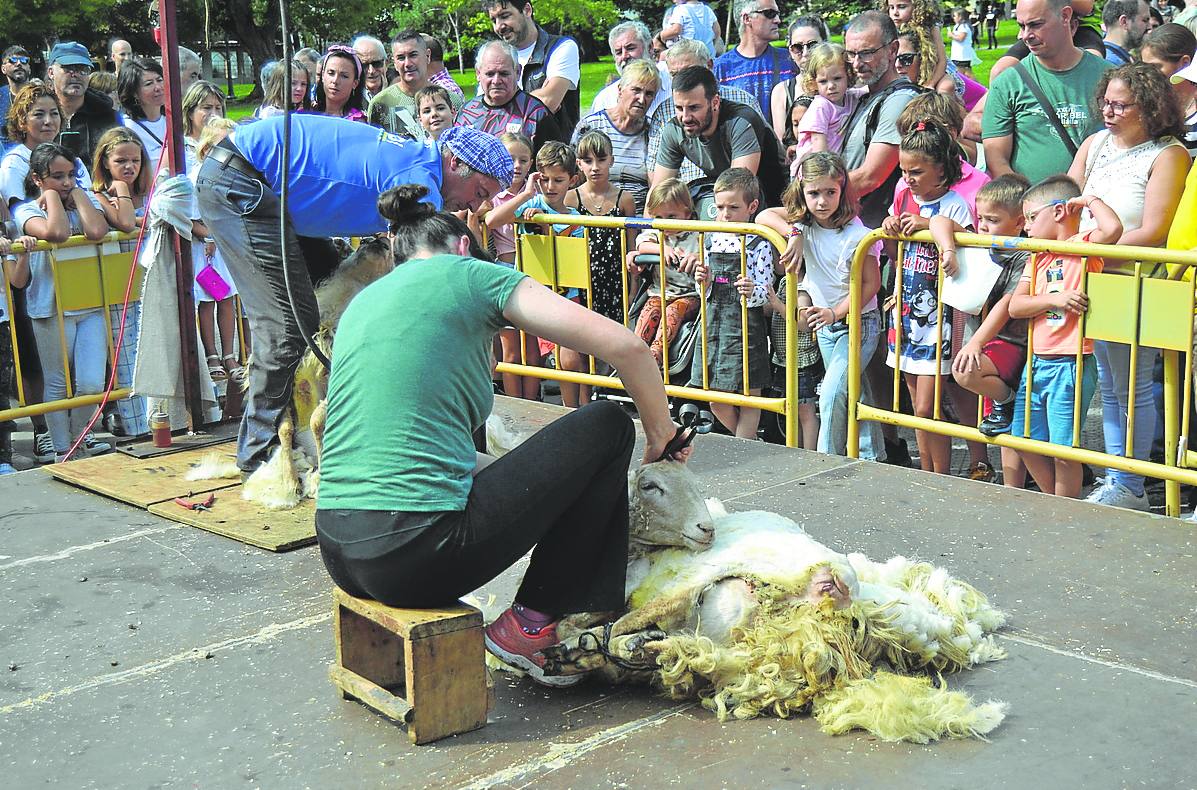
x=564, y=491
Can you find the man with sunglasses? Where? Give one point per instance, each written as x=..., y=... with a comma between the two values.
x=15, y=67
x=373, y=56
x=755, y=64
x=86, y=113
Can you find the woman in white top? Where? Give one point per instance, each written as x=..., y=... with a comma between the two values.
x=1138, y=167
x=34, y=118
x=142, y=92
x=692, y=19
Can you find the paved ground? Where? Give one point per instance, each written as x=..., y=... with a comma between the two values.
x=139, y=653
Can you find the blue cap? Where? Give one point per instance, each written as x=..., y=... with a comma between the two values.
x=481, y=151
x=70, y=53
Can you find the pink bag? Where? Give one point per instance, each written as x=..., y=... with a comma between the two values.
x=211, y=281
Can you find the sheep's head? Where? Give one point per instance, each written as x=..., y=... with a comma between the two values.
x=667, y=508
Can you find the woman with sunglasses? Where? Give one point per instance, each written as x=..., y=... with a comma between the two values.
x=340, y=90
x=805, y=33
x=1137, y=166
x=910, y=64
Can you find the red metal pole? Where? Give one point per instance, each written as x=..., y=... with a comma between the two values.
x=169, y=41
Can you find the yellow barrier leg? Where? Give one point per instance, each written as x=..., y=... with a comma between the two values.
x=1171, y=430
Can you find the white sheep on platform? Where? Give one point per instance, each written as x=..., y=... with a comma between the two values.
x=769, y=620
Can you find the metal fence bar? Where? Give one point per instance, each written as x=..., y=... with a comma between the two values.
x=784, y=405
x=1178, y=461
x=72, y=401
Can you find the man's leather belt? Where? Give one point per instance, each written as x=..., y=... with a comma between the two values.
x=228, y=156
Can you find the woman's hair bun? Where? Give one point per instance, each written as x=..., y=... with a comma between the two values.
x=403, y=205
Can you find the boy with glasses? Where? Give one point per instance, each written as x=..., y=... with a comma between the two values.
x=755, y=64
x=1051, y=294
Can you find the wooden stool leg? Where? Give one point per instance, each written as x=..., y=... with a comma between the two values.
x=446, y=685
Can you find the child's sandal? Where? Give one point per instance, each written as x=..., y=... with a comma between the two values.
x=215, y=369
x=236, y=371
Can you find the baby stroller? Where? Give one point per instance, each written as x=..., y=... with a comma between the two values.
x=682, y=348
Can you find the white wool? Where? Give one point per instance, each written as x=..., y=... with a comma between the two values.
x=213, y=466
x=716, y=507
x=915, y=617
x=275, y=484
x=500, y=439
x=987, y=650
x=758, y=544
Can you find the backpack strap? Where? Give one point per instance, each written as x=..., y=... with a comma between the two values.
x=1048, y=110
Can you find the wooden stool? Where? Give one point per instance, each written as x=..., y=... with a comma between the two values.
x=435, y=656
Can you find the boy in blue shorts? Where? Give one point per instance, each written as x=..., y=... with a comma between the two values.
x=1051, y=294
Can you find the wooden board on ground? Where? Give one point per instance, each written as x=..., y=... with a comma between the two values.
x=249, y=522
x=144, y=481
x=183, y=441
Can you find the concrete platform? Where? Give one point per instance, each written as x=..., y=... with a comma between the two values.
x=135, y=652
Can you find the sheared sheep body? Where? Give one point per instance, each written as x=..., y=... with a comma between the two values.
x=770, y=620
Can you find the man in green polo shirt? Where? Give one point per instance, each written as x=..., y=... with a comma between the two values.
x=1017, y=134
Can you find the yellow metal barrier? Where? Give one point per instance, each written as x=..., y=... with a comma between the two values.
x=1135, y=309
x=561, y=261
x=87, y=275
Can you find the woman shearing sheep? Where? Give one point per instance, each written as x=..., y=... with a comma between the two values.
x=408, y=513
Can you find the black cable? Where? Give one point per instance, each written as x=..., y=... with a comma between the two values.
x=284, y=187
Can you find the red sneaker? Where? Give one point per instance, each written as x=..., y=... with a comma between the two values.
x=520, y=647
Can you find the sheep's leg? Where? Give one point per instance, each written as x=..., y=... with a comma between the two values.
x=625, y=657
x=571, y=625
x=311, y=484
x=286, y=441
x=660, y=613
x=319, y=417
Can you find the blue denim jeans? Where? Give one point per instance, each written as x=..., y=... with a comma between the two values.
x=243, y=215
x=1113, y=378
x=833, y=399
x=87, y=356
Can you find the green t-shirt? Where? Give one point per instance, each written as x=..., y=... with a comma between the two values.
x=1011, y=108
x=410, y=382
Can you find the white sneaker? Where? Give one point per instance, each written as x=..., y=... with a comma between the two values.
x=1117, y=495
x=43, y=448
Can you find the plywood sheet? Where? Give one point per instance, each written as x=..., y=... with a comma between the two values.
x=248, y=522
x=141, y=481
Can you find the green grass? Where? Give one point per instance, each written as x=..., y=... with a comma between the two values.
x=596, y=75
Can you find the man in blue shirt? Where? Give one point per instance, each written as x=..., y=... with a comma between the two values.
x=337, y=171
x=1126, y=23
x=755, y=64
